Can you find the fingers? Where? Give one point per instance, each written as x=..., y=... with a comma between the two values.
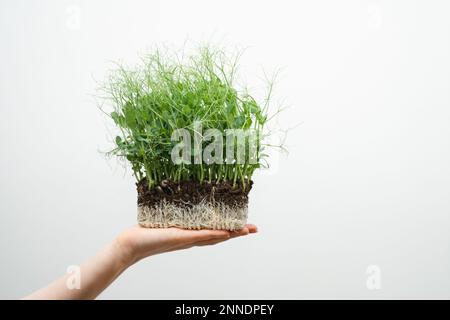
x=186, y=238
x=203, y=235
x=251, y=228
x=183, y=238
x=206, y=235
x=243, y=232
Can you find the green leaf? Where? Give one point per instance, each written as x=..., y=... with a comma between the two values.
x=186, y=109
x=248, y=123
x=254, y=108
x=239, y=121
x=261, y=119
x=230, y=107
x=130, y=118
x=117, y=118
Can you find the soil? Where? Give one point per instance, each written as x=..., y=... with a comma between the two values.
x=190, y=193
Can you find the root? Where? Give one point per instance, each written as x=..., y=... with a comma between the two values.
x=204, y=215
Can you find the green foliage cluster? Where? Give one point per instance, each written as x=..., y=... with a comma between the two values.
x=165, y=93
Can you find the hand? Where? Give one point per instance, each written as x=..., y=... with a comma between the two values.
x=138, y=242
x=129, y=247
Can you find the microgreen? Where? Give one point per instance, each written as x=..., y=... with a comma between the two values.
x=165, y=93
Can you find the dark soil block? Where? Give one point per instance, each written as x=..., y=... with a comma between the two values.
x=193, y=205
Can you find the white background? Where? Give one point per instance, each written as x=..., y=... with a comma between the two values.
x=367, y=180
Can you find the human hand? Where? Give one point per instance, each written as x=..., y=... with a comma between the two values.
x=129, y=247
x=138, y=242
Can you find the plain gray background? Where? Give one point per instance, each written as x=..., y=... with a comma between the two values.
x=367, y=180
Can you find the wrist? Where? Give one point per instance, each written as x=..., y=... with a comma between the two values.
x=124, y=253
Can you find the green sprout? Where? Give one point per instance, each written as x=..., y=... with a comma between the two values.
x=165, y=93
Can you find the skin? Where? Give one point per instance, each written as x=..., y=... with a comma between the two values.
x=131, y=246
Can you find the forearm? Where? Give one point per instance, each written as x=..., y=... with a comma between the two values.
x=95, y=275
